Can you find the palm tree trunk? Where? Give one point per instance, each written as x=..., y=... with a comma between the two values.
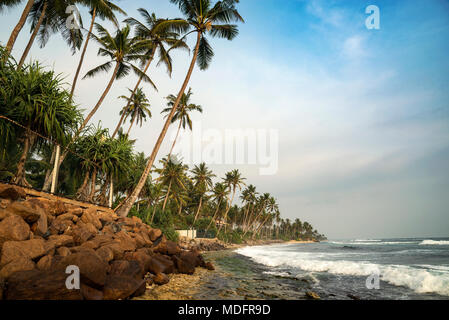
x=93, y=185
x=81, y=189
x=166, y=197
x=198, y=211
x=176, y=138
x=227, y=211
x=19, y=26
x=132, y=122
x=33, y=36
x=214, y=216
x=52, y=162
x=124, y=210
x=86, y=121
x=133, y=93
x=154, y=212
x=83, y=52
x=20, y=175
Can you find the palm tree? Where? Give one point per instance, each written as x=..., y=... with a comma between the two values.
x=15, y=32
x=122, y=50
x=204, y=19
x=220, y=193
x=49, y=16
x=103, y=9
x=156, y=33
x=137, y=108
x=172, y=176
x=182, y=113
x=234, y=181
x=248, y=197
x=202, y=178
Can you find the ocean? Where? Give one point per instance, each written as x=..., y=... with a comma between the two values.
x=341, y=269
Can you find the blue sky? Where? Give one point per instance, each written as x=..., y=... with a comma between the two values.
x=363, y=115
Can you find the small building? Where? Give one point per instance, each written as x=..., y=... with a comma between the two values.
x=189, y=234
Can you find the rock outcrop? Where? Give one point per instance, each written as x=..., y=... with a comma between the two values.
x=41, y=239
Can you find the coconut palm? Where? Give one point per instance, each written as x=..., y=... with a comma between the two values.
x=156, y=34
x=204, y=19
x=47, y=17
x=172, y=176
x=104, y=10
x=137, y=108
x=202, y=178
x=220, y=193
x=182, y=113
x=122, y=50
x=15, y=32
x=234, y=181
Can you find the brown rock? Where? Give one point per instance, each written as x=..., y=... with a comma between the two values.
x=14, y=228
x=154, y=234
x=106, y=254
x=45, y=262
x=122, y=287
x=168, y=247
x=126, y=242
x=90, y=216
x=90, y=293
x=40, y=285
x=139, y=256
x=63, y=251
x=105, y=217
x=92, y=268
x=31, y=249
x=29, y=211
x=312, y=295
x=40, y=227
x=209, y=266
x=20, y=264
x=66, y=216
x=11, y=192
x=161, y=264
x=183, y=266
x=82, y=233
x=161, y=279
x=59, y=226
x=127, y=268
x=76, y=211
x=62, y=240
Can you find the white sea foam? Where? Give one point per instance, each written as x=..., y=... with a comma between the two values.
x=367, y=240
x=435, y=242
x=418, y=279
x=373, y=243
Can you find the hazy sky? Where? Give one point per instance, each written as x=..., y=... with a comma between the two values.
x=362, y=115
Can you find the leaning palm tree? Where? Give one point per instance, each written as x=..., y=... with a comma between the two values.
x=182, y=113
x=47, y=17
x=122, y=50
x=137, y=108
x=104, y=10
x=202, y=178
x=204, y=19
x=234, y=181
x=156, y=33
x=220, y=194
x=15, y=32
x=173, y=176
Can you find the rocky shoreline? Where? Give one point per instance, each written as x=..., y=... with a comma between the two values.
x=118, y=258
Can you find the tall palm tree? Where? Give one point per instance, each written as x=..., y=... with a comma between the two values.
x=122, y=50
x=173, y=176
x=182, y=113
x=104, y=10
x=15, y=32
x=204, y=19
x=202, y=178
x=137, y=108
x=220, y=194
x=156, y=34
x=234, y=181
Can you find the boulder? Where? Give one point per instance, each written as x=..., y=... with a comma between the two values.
x=209, y=266
x=61, y=240
x=60, y=226
x=11, y=192
x=122, y=287
x=50, y=207
x=40, y=227
x=155, y=234
x=31, y=249
x=183, y=266
x=75, y=211
x=92, y=268
x=28, y=210
x=126, y=242
x=140, y=257
x=40, y=285
x=45, y=262
x=81, y=233
x=90, y=293
x=160, y=264
x=20, y=264
x=192, y=258
x=63, y=251
x=90, y=216
x=66, y=216
x=161, y=279
x=127, y=268
x=106, y=254
x=14, y=228
x=168, y=247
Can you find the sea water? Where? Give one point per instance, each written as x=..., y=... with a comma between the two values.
x=403, y=268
